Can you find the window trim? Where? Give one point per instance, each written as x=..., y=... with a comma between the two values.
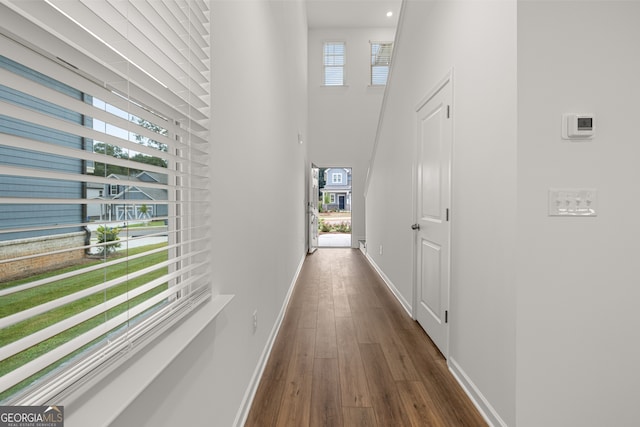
x=131, y=379
x=371, y=64
x=324, y=67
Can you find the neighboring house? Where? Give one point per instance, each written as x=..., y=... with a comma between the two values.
x=95, y=212
x=336, y=194
x=32, y=219
x=147, y=196
x=39, y=234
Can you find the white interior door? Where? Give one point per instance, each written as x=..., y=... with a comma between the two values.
x=433, y=195
x=314, y=183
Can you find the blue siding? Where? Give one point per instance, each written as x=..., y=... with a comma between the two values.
x=33, y=215
x=23, y=100
x=13, y=186
x=29, y=158
x=161, y=210
x=37, y=77
x=17, y=216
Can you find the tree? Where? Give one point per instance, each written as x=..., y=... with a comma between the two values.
x=106, y=169
x=148, y=141
x=321, y=181
x=149, y=160
x=144, y=210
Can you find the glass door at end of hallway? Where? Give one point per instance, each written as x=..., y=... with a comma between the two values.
x=334, y=207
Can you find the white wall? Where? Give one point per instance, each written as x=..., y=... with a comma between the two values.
x=477, y=40
x=343, y=120
x=578, y=293
x=258, y=212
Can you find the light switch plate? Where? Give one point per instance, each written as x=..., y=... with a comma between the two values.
x=573, y=202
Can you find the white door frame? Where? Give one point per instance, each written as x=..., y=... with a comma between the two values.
x=312, y=209
x=448, y=79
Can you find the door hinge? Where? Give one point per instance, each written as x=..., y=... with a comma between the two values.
x=448, y=111
x=447, y=214
x=446, y=316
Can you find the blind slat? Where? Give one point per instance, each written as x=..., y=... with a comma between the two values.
x=92, y=66
x=44, y=334
x=71, y=274
x=103, y=122
x=119, y=349
x=111, y=24
x=28, y=115
x=42, y=362
x=43, y=308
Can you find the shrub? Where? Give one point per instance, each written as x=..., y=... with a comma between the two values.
x=323, y=226
x=343, y=227
x=108, y=234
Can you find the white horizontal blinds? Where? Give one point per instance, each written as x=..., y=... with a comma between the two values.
x=334, y=63
x=380, y=62
x=103, y=184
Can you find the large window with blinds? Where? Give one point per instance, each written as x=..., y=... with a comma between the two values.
x=380, y=62
x=334, y=62
x=103, y=185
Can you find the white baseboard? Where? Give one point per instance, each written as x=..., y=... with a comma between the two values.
x=405, y=304
x=486, y=410
x=249, y=395
x=355, y=241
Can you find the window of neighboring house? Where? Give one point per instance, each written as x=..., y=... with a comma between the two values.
x=332, y=198
x=336, y=178
x=334, y=63
x=380, y=62
x=78, y=299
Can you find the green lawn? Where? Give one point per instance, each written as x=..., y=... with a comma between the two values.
x=149, y=224
x=23, y=300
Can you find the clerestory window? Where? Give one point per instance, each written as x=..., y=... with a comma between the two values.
x=380, y=62
x=334, y=63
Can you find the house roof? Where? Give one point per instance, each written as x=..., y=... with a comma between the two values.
x=158, y=194
x=121, y=176
x=334, y=188
x=160, y=178
x=346, y=170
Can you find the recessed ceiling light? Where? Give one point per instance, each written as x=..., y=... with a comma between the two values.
x=389, y=14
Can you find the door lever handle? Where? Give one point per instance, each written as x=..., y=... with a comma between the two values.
x=415, y=227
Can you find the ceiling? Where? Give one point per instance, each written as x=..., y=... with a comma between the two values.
x=352, y=13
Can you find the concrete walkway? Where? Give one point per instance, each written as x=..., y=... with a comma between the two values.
x=334, y=240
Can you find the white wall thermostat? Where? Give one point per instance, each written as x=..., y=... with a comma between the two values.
x=578, y=126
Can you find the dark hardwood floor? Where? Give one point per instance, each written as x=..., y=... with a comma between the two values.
x=347, y=354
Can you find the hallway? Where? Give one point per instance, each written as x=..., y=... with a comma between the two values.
x=347, y=354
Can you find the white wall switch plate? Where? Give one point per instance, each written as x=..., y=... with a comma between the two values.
x=573, y=202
